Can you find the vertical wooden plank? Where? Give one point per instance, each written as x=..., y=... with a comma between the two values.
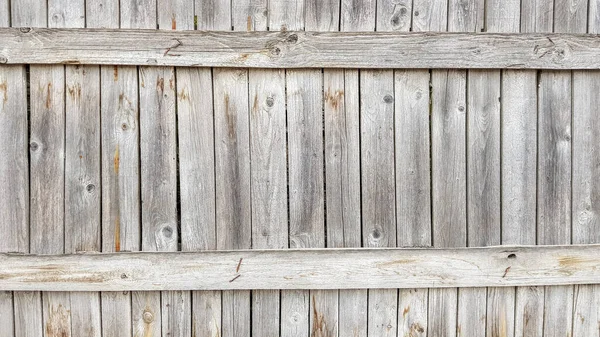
x=358, y=16
x=504, y=16
x=322, y=15
x=139, y=14
x=468, y=16
x=448, y=123
x=378, y=186
x=421, y=310
x=14, y=185
x=120, y=183
x=26, y=304
x=286, y=15
x=159, y=163
x=66, y=14
x=594, y=17
x=554, y=188
x=306, y=186
x=82, y=184
x=233, y=187
x=537, y=16
x=571, y=16
x=269, y=184
x=213, y=14
x=197, y=181
x=483, y=182
x=586, y=191
x=47, y=147
x=175, y=14
x=430, y=15
x=342, y=169
x=249, y=15
x=102, y=13
x=413, y=204
x=4, y=13
x=394, y=15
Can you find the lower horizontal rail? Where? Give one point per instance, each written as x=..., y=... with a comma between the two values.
x=304, y=269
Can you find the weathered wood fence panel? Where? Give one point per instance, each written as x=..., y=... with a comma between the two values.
x=131, y=149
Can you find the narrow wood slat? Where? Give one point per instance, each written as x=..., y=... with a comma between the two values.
x=14, y=184
x=304, y=269
x=300, y=49
x=269, y=184
x=586, y=192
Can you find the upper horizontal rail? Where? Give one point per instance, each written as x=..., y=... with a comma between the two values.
x=298, y=49
x=304, y=269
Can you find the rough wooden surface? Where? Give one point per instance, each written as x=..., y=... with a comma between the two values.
x=297, y=49
x=304, y=269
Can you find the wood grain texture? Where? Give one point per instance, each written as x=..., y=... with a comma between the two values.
x=121, y=205
x=586, y=191
x=449, y=199
x=233, y=204
x=140, y=14
x=537, y=16
x=554, y=187
x=175, y=14
x=301, y=49
x=360, y=268
x=14, y=183
x=357, y=16
x=102, y=13
x=28, y=304
x=249, y=15
x=269, y=184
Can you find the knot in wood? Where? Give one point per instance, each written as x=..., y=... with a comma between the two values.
x=167, y=231
x=148, y=317
x=25, y=29
x=3, y=59
x=34, y=146
x=388, y=98
x=270, y=102
x=293, y=38
x=90, y=188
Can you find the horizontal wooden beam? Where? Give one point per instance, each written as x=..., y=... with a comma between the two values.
x=304, y=269
x=299, y=49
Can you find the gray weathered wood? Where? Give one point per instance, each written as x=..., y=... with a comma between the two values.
x=394, y=15
x=448, y=166
x=175, y=14
x=140, y=14
x=232, y=169
x=28, y=310
x=554, y=187
x=428, y=15
x=82, y=184
x=14, y=184
x=357, y=16
x=197, y=180
x=305, y=182
x=120, y=183
x=359, y=268
x=342, y=174
x=320, y=15
x=586, y=191
x=286, y=15
x=249, y=15
x=301, y=49
x=514, y=113
x=269, y=183
x=102, y=13
x=537, y=16
x=66, y=14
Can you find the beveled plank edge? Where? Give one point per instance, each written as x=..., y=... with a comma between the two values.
x=304, y=269
x=299, y=49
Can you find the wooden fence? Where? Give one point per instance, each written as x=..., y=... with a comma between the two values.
x=263, y=168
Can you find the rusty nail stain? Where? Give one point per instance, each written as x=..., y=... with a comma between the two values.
x=173, y=23
x=116, y=73
x=249, y=24
x=4, y=88
x=48, y=96
x=116, y=159
x=235, y=278
x=160, y=84
x=405, y=311
x=237, y=269
x=117, y=234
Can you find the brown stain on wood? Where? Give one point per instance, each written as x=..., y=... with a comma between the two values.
x=48, y=103
x=416, y=330
x=319, y=326
x=160, y=84
x=172, y=83
x=237, y=269
x=4, y=89
x=506, y=271
x=75, y=91
x=405, y=312
x=334, y=99
x=569, y=261
x=183, y=95
x=230, y=118
x=116, y=73
x=58, y=323
x=396, y=262
x=249, y=24
x=255, y=105
x=173, y=23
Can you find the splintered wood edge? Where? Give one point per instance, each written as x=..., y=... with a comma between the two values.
x=303, y=269
x=300, y=49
